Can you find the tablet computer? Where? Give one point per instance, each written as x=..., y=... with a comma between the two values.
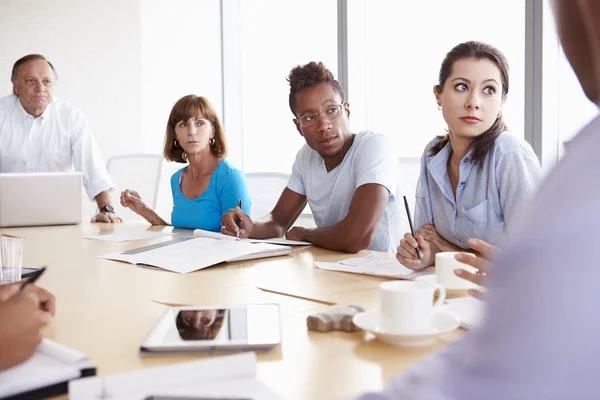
x=254, y=327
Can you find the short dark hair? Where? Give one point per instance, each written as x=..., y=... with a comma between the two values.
x=310, y=75
x=183, y=110
x=26, y=59
x=478, y=50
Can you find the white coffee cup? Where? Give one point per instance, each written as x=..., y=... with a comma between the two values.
x=445, y=265
x=407, y=306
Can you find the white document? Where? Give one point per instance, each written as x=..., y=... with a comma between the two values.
x=468, y=310
x=189, y=255
x=126, y=236
x=223, y=377
x=52, y=363
x=220, y=236
x=372, y=264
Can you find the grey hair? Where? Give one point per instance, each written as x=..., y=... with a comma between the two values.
x=27, y=58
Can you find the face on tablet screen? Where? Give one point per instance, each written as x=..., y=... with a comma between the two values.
x=200, y=324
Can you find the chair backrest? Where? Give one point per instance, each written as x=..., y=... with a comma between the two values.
x=139, y=172
x=265, y=190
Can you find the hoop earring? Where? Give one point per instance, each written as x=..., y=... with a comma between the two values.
x=176, y=143
x=212, y=141
x=439, y=107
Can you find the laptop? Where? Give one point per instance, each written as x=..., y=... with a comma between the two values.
x=38, y=199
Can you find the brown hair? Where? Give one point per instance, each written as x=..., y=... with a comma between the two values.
x=482, y=143
x=188, y=332
x=183, y=110
x=26, y=59
x=308, y=76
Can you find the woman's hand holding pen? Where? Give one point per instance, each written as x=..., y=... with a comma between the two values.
x=407, y=254
x=231, y=228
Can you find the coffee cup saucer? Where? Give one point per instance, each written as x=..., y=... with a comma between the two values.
x=450, y=292
x=441, y=324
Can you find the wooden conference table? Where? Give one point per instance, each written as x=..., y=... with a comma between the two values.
x=105, y=309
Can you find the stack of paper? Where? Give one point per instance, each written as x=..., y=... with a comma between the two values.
x=222, y=378
x=52, y=364
x=374, y=264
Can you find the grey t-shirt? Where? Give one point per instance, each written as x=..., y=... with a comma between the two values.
x=370, y=159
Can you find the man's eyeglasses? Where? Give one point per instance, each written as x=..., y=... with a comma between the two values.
x=331, y=112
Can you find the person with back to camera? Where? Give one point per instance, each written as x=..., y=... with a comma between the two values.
x=208, y=186
x=474, y=179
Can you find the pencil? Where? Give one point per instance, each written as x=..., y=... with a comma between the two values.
x=238, y=221
x=412, y=231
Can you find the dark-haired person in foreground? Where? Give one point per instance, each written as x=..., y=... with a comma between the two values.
x=539, y=339
x=349, y=180
x=474, y=179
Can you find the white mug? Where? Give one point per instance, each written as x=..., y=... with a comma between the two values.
x=445, y=264
x=407, y=306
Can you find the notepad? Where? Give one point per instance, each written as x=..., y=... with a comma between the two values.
x=46, y=372
x=221, y=377
x=220, y=236
x=191, y=254
x=373, y=264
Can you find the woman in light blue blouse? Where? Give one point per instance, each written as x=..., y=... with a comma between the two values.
x=208, y=186
x=474, y=179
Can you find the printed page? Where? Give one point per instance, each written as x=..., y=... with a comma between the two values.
x=188, y=255
x=373, y=264
x=52, y=363
x=127, y=236
x=218, y=235
x=218, y=377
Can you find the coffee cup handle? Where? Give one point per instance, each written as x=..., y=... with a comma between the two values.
x=441, y=296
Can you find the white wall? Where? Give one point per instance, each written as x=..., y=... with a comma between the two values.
x=95, y=47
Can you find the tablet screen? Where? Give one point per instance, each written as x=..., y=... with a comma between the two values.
x=216, y=327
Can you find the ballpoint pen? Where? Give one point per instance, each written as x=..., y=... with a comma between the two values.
x=238, y=220
x=412, y=231
x=34, y=277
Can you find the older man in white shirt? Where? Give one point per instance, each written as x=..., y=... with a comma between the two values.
x=39, y=133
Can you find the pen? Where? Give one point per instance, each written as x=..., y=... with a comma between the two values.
x=34, y=277
x=412, y=231
x=238, y=221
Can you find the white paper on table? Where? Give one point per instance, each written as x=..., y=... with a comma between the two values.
x=216, y=235
x=189, y=255
x=372, y=264
x=52, y=363
x=127, y=236
x=222, y=377
x=468, y=310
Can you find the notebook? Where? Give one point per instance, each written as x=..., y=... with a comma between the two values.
x=191, y=254
x=217, y=235
x=46, y=373
x=38, y=199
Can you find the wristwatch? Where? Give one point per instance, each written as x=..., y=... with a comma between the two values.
x=108, y=208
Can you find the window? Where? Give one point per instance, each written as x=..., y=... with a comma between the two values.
x=275, y=37
x=404, y=45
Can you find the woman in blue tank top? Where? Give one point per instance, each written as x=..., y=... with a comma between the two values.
x=208, y=186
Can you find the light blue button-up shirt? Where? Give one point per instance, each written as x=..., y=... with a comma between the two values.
x=540, y=337
x=488, y=193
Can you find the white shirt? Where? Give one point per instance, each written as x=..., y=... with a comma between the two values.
x=370, y=159
x=59, y=140
x=540, y=337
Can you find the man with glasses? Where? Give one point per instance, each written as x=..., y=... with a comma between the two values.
x=349, y=180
